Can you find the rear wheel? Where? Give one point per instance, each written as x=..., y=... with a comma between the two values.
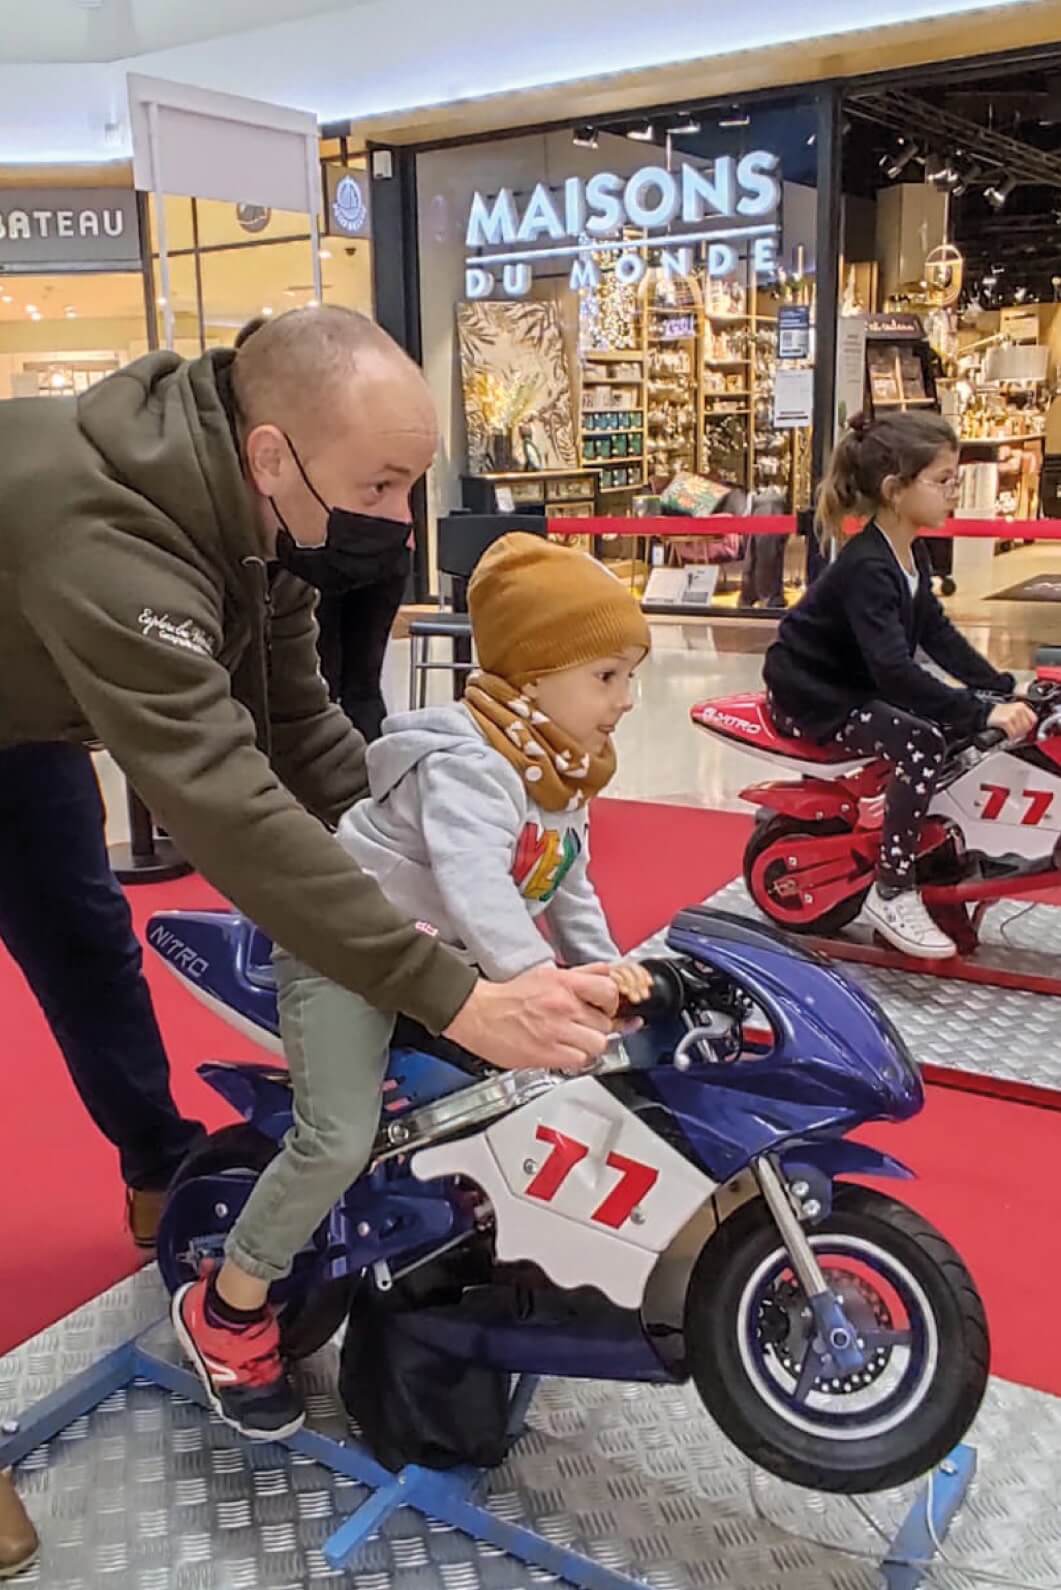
x=750, y=1343
x=193, y=1226
x=772, y=881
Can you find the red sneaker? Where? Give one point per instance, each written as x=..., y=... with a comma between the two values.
x=241, y=1369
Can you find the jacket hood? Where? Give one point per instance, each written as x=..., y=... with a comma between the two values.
x=410, y=736
x=162, y=427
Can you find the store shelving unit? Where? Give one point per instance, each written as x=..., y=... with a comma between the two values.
x=674, y=333
x=727, y=377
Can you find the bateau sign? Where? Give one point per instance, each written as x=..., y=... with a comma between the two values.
x=735, y=201
x=68, y=228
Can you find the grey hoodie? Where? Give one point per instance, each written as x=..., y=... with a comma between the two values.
x=454, y=841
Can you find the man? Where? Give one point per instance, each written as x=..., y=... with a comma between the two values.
x=160, y=538
x=355, y=627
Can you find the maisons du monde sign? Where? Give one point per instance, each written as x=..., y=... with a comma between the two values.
x=728, y=206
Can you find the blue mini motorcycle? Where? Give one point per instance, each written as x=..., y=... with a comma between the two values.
x=693, y=1207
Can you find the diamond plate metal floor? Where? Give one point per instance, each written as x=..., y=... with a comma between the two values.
x=993, y=1032
x=149, y=1493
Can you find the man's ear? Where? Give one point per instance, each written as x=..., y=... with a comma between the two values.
x=268, y=458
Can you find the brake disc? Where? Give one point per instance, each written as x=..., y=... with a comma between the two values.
x=786, y=1324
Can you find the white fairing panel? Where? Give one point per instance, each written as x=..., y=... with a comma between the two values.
x=1005, y=806
x=579, y=1187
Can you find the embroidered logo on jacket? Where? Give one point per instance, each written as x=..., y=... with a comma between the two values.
x=544, y=857
x=181, y=633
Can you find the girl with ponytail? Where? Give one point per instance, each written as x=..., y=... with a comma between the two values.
x=842, y=668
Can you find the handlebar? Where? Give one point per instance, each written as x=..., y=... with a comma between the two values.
x=666, y=999
x=988, y=739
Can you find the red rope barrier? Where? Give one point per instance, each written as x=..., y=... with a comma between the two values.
x=785, y=524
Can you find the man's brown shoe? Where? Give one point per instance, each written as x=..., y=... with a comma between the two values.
x=18, y=1538
x=143, y=1211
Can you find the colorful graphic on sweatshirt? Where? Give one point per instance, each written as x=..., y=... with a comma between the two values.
x=544, y=857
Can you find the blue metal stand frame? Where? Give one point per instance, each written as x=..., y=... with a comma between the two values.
x=452, y=1497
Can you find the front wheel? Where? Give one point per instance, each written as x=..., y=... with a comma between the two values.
x=750, y=1345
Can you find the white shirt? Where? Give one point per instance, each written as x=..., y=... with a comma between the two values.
x=911, y=576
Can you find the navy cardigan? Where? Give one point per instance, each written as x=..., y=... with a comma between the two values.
x=852, y=639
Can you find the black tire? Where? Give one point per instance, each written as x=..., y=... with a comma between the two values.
x=947, y=1400
x=780, y=827
x=307, y=1321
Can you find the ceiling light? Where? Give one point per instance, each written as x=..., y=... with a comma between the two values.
x=6, y=298
x=585, y=138
x=325, y=253
x=35, y=314
x=31, y=309
x=896, y=164
x=738, y=118
x=999, y=191
x=812, y=140
x=57, y=381
x=685, y=126
x=642, y=132
x=267, y=309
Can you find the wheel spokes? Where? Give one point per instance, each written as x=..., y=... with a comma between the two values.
x=810, y=1371
x=885, y=1338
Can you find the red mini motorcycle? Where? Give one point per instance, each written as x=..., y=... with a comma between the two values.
x=993, y=830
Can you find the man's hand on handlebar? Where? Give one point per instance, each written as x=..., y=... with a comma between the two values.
x=1016, y=719
x=546, y=1017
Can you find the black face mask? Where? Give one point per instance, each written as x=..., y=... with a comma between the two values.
x=359, y=549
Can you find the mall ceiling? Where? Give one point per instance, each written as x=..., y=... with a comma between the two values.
x=110, y=30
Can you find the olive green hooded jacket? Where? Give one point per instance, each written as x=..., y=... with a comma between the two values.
x=136, y=608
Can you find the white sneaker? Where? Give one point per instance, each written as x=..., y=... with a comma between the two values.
x=905, y=923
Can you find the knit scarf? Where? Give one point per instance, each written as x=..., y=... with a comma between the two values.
x=560, y=774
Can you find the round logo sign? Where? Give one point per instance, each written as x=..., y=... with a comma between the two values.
x=253, y=217
x=349, y=208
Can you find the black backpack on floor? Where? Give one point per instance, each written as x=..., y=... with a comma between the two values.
x=412, y=1401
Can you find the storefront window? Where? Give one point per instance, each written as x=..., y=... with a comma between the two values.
x=231, y=262
x=71, y=292
x=618, y=320
x=950, y=291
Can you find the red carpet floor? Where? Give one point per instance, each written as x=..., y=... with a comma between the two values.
x=985, y=1165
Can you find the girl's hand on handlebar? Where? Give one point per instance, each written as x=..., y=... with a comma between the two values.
x=1015, y=718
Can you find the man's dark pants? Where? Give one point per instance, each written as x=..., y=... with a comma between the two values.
x=66, y=922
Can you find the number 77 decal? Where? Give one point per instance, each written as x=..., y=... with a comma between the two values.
x=1039, y=803
x=635, y=1179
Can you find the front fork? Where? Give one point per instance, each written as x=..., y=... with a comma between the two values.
x=837, y=1342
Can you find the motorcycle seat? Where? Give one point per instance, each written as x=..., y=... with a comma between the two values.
x=746, y=721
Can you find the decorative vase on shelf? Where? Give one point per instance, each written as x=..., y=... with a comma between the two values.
x=532, y=459
x=499, y=455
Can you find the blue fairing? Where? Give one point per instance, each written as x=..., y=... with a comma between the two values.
x=836, y=1061
x=224, y=957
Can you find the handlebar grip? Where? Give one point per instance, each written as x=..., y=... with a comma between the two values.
x=987, y=739
x=666, y=999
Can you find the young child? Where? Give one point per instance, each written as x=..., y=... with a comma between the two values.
x=477, y=827
x=842, y=667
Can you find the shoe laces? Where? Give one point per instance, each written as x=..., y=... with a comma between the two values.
x=913, y=913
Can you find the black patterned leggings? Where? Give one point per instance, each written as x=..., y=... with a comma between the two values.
x=916, y=749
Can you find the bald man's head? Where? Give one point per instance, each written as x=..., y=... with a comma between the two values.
x=300, y=369
x=331, y=385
